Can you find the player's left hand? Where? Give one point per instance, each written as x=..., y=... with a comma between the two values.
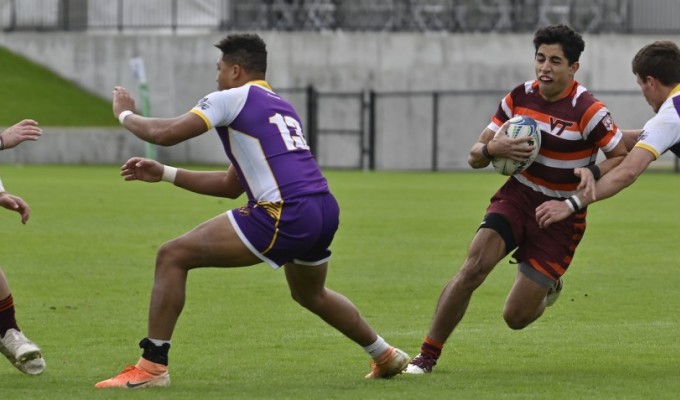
x=122, y=100
x=515, y=149
x=17, y=133
x=142, y=169
x=587, y=184
x=552, y=211
x=16, y=203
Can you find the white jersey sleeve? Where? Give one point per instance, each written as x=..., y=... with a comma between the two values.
x=222, y=107
x=662, y=131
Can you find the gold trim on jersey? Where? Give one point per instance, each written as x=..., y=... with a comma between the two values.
x=648, y=148
x=274, y=209
x=674, y=92
x=263, y=83
x=203, y=117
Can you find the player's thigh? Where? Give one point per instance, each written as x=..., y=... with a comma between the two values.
x=486, y=250
x=214, y=243
x=306, y=279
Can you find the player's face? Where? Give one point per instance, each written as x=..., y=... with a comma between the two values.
x=225, y=75
x=553, y=71
x=651, y=95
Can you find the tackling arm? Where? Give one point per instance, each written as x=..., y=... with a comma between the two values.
x=620, y=177
x=612, y=183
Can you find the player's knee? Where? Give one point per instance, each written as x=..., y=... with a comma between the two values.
x=310, y=301
x=167, y=255
x=515, y=319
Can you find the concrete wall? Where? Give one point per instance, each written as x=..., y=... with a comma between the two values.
x=181, y=69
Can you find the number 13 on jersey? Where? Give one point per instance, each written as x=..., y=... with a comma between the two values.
x=293, y=140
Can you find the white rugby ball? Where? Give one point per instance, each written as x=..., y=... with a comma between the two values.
x=520, y=126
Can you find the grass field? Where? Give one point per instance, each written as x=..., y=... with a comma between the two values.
x=81, y=272
x=40, y=94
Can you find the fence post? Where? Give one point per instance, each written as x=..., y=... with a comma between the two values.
x=174, y=16
x=312, y=118
x=435, y=130
x=120, y=15
x=12, y=16
x=372, y=96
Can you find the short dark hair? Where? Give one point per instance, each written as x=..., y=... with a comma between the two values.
x=245, y=49
x=660, y=60
x=571, y=41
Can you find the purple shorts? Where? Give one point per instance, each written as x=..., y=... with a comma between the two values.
x=298, y=230
x=548, y=251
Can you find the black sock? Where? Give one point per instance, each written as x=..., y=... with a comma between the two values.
x=153, y=353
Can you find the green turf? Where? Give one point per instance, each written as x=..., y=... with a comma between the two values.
x=32, y=91
x=81, y=271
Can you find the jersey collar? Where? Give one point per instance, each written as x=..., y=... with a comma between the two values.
x=675, y=91
x=261, y=82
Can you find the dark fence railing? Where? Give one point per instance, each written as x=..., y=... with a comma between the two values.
x=594, y=16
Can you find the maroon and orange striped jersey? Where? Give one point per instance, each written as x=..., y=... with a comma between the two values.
x=573, y=129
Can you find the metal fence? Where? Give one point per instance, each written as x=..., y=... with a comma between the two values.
x=596, y=16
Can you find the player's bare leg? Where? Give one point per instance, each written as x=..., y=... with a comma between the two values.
x=525, y=303
x=212, y=243
x=486, y=250
x=307, y=287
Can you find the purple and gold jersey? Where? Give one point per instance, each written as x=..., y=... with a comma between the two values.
x=662, y=132
x=262, y=136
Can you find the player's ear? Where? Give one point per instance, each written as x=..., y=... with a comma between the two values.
x=236, y=71
x=574, y=67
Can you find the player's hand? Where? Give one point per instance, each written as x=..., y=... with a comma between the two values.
x=552, y=211
x=20, y=132
x=141, y=169
x=122, y=100
x=587, y=184
x=16, y=203
x=505, y=147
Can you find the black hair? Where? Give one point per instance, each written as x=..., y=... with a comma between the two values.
x=245, y=49
x=571, y=41
x=660, y=60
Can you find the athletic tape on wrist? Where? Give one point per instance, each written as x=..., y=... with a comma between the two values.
x=169, y=174
x=121, y=116
x=570, y=204
x=577, y=202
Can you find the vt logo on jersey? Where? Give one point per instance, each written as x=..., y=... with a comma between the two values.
x=560, y=125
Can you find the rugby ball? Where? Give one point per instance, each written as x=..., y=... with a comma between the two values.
x=520, y=126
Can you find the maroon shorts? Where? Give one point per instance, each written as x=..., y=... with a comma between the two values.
x=548, y=250
x=297, y=230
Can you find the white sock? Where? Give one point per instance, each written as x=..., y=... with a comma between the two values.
x=159, y=342
x=377, y=348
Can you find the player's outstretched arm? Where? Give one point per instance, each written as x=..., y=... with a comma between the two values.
x=14, y=135
x=211, y=183
x=634, y=164
x=159, y=131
